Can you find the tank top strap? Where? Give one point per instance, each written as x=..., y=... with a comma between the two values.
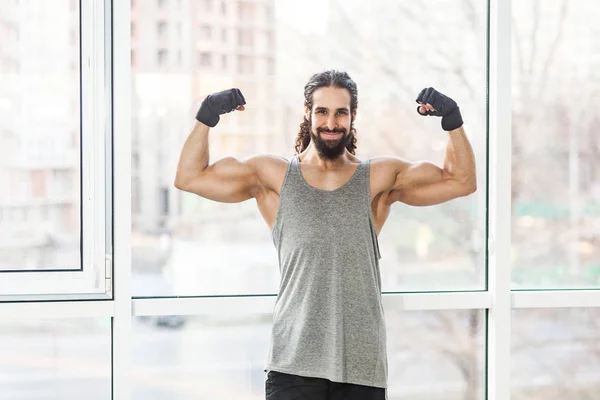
x=361, y=180
x=294, y=171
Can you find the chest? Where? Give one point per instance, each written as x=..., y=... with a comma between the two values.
x=324, y=226
x=327, y=180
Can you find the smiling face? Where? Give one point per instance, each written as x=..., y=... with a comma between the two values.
x=330, y=121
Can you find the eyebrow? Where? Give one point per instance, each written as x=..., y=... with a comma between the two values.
x=327, y=109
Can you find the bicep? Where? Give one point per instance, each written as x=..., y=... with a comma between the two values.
x=428, y=195
x=424, y=184
x=228, y=180
x=419, y=174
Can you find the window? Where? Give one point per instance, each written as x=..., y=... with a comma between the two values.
x=87, y=182
x=38, y=183
x=206, y=32
x=448, y=345
x=559, y=357
x=245, y=38
x=162, y=57
x=38, y=351
x=270, y=66
x=437, y=248
x=164, y=201
x=55, y=234
x=270, y=36
x=555, y=191
x=246, y=12
x=205, y=59
x=224, y=61
x=245, y=64
x=269, y=12
x=161, y=29
x=206, y=5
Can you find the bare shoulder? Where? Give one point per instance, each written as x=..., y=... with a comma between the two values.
x=267, y=161
x=270, y=170
x=384, y=171
x=387, y=163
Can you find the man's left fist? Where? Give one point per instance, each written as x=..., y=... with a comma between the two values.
x=443, y=106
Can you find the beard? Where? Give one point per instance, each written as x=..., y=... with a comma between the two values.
x=330, y=149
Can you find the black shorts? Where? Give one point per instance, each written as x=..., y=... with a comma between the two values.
x=280, y=386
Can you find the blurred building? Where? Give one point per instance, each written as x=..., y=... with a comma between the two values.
x=181, y=51
x=39, y=135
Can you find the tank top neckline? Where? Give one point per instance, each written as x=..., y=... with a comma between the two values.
x=348, y=182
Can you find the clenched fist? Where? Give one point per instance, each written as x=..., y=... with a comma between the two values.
x=437, y=104
x=219, y=103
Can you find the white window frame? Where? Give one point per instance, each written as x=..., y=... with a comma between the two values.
x=93, y=280
x=499, y=200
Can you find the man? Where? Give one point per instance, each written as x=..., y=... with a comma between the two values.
x=325, y=208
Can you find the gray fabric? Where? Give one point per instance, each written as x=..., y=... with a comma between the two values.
x=328, y=320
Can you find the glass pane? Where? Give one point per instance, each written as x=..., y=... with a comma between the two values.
x=436, y=355
x=423, y=248
x=431, y=355
x=555, y=354
x=39, y=135
x=186, y=245
x=66, y=359
x=555, y=187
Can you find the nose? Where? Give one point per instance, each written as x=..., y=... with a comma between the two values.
x=331, y=122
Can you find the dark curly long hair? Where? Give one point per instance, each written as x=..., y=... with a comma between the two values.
x=331, y=78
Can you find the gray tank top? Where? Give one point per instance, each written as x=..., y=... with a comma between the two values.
x=328, y=320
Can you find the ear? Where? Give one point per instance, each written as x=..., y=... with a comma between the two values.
x=354, y=115
x=306, y=112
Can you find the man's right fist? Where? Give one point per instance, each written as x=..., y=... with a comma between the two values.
x=219, y=103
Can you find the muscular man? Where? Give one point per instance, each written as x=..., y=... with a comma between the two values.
x=325, y=208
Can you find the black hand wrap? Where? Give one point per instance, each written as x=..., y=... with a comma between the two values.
x=218, y=104
x=444, y=106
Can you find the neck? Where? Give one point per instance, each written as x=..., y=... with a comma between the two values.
x=311, y=156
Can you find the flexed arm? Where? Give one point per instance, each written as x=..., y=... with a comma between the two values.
x=228, y=180
x=424, y=183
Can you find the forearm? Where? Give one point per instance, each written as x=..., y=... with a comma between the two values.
x=459, y=160
x=194, y=156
